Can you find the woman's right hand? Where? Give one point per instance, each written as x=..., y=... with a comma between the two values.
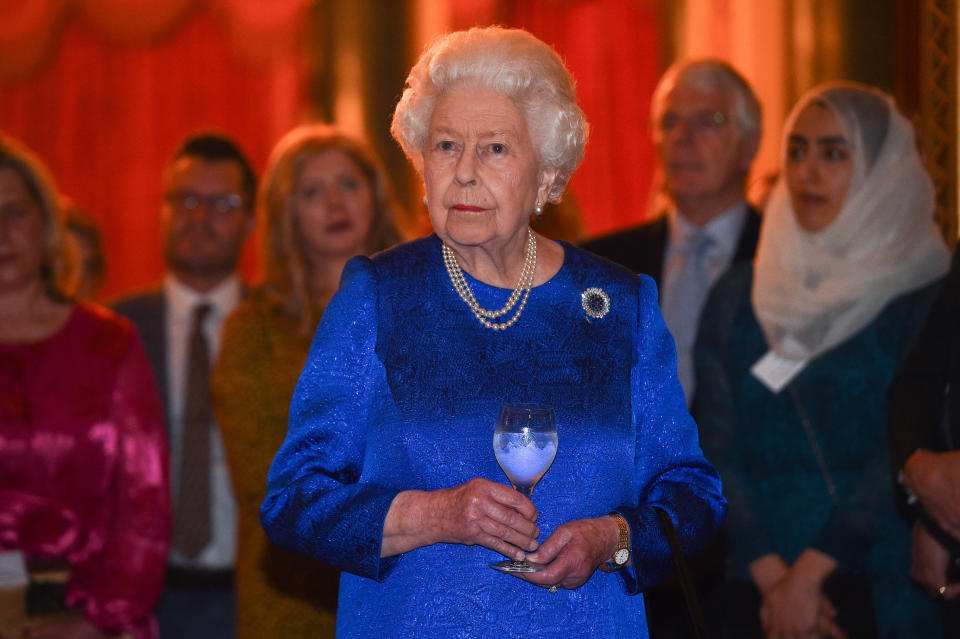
x=479, y=512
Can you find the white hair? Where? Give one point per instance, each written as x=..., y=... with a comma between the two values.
x=711, y=75
x=511, y=62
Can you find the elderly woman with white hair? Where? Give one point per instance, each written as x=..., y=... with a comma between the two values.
x=388, y=471
x=794, y=358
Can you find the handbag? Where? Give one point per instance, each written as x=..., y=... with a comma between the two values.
x=849, y=593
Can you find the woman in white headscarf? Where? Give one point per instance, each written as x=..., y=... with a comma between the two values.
x=794, y=357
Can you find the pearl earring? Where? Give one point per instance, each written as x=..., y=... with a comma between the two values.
x=538, y=209
x=425, y=200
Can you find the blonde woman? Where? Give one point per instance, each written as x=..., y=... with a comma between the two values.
x=324, y=199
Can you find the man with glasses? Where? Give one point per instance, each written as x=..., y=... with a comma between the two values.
x=706, y=126
x=206, y=216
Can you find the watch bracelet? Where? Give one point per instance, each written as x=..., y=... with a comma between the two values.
x=623, y=541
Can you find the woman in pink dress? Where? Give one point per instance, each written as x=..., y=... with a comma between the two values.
x=83, y=459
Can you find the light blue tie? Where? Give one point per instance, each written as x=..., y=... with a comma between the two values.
x=684, y=301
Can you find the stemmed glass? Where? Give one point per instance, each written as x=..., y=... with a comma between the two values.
x=525, y=443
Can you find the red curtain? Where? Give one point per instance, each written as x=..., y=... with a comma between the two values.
x=105, y=114
x=612, y=47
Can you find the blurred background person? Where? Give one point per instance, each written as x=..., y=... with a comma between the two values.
x=84, y=492
x=83, y=238
x=388, y=469
x=206, y=216
x=924, y=426
x=324, y=199
x=793, y=360
x=707, y=128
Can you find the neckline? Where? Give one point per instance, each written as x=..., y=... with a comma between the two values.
x=71, y=318
x=490, y=287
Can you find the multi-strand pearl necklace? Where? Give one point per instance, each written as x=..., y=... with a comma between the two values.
x=522, y=289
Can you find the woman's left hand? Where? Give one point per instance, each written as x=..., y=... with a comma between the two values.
x=795, y=608
x=573, y=552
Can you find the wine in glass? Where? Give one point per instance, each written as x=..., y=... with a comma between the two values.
x=525, y=443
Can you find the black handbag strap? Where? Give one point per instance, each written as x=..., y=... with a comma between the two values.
x=683, y=573
x=812, y=438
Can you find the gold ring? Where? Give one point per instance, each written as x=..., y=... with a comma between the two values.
x=553, y=589
x=941, y=592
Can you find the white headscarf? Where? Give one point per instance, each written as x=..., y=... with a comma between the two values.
x=811, y=291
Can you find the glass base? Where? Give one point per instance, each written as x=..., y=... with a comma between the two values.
x=518, y=566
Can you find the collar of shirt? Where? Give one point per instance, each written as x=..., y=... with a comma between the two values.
x=181, y=298
x=724, y=229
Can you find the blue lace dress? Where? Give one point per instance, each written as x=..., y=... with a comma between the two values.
x=401, y=391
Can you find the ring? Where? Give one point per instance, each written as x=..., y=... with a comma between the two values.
x=553, y=589
x=941, y=592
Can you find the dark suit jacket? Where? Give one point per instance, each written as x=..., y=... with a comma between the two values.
x=641, y=248
x=924, y=409
x=148, y=311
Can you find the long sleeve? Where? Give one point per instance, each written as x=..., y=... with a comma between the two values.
x=318, y=502
x=251, y=399
x=854, y=519
x=924, y=408
x=118, y=586
x=671, y=472
x=917, y=394
x=720, y=425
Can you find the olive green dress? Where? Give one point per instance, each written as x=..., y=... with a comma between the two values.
x=279, y=594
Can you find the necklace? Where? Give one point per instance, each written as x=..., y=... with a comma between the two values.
x=521, y=293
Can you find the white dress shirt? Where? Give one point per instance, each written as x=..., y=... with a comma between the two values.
x=724, y=232
x=219, y=553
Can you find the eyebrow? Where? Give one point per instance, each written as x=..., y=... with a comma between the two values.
x=506, y=133
x=833, y=139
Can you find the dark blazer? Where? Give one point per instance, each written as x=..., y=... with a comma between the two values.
x=924, y=408
x=148, y=311
x=641, y=248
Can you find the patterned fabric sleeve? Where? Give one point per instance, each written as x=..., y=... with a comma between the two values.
x=855, y=520
x=118, y=586
x=671, y=472
x=317, y=502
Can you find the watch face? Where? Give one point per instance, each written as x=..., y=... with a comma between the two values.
x=621, y=556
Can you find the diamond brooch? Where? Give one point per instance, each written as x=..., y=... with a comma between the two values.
x=595, y=302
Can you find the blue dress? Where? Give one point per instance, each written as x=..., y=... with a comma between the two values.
x=779, y=500
x=401, y=391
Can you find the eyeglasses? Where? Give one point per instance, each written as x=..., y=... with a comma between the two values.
x=698, y=122
x=188, y=201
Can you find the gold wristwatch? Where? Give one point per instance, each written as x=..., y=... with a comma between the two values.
x=622, y=554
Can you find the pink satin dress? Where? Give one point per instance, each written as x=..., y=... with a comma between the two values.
x=83, y=466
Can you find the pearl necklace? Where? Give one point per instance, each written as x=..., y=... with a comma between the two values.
x=523, y=287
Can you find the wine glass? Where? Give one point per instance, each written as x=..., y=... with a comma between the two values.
x=525, y=443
